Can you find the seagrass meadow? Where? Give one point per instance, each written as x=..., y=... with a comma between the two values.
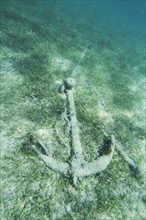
x=43, y=42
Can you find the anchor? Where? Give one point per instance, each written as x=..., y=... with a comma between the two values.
x=76, y=167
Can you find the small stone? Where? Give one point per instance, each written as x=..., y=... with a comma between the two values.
x=68, y=208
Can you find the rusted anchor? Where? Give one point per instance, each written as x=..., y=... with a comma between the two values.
x=77, y=166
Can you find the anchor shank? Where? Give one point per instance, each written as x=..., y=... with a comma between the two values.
x=75, y=140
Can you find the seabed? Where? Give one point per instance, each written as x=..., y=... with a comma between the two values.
x=41, y=44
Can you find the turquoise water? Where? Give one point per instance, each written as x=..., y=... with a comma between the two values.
x=102, y=45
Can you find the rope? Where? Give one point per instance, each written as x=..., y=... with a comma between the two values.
x=74, y=72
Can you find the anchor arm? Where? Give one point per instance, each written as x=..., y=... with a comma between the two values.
x=97, y=165
x=55, y=165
